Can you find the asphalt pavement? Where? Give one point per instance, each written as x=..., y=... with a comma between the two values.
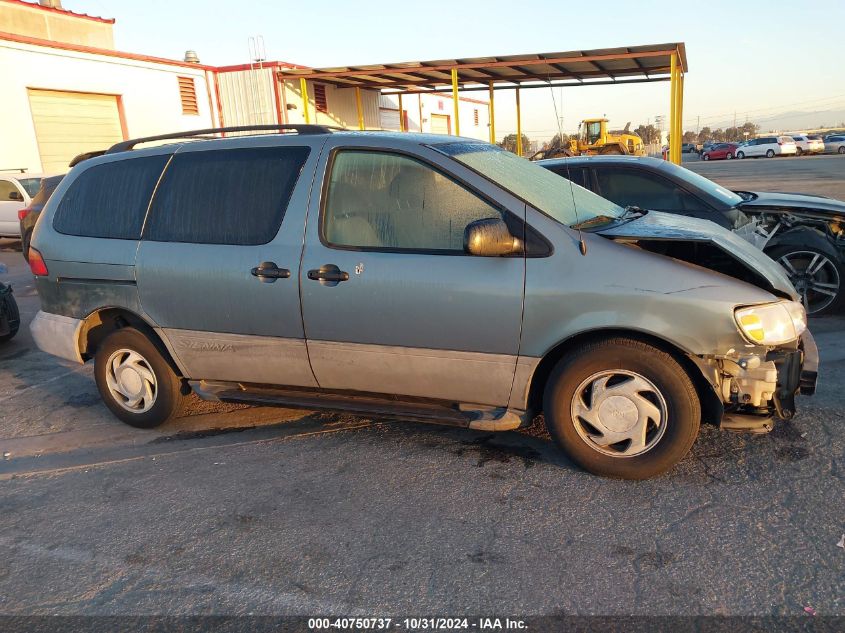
x=236, y=510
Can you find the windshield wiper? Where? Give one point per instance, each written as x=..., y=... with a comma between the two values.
x=634, y=210
x=593, y=222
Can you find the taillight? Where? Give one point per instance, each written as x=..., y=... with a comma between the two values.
x=36, y=263
x=23, y=213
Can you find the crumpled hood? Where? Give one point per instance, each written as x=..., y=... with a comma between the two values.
x=655, y=225
x=794, y=203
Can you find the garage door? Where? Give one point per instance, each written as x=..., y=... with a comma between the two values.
x=70, y=123
x=440, y=124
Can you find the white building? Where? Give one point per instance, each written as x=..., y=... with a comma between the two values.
x=65, y=91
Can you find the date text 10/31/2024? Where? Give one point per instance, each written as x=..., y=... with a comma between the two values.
x=416, y=624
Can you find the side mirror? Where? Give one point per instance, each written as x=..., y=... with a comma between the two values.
x=490, y=237
x=16, y=196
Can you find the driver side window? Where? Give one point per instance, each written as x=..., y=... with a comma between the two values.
x=378, y=200
x=627, y=187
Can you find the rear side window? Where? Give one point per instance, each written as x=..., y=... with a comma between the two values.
x=110, y=200
x=233, y=196
x=578, y=175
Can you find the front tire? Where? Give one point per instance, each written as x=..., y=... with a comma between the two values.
x=841, y=150
x=740, y=155
x=729, y=156
x=622, y=408
x=706, y=157
x=135, y=382
x=816, y=274
x=770, y=153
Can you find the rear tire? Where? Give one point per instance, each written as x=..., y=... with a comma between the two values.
x=729, y=156
x=623, y=380
x=740, y=155
x=770, y=153
x=10, y=307
x=841, y=150
x=799, y=152
x=135, y=382
x=705, y=157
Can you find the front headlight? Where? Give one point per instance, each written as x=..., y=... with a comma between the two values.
x=772, y=323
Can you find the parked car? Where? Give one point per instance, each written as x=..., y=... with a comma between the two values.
x=10, y=318
x=768, y=146
x=689, y=148
x=804, y=233
x=16, y=191
x=419, y=275
x=834, y=144
x=719, y=151
x=707, y=145
x=28, y=216
x=808, y=144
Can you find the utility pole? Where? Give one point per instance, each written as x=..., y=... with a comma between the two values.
x=698, y=125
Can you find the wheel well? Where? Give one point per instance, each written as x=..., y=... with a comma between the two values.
x=711, y=405
x=98, y=325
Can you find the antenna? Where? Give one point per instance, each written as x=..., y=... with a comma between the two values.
x=582, y=245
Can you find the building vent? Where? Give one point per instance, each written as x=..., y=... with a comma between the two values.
x=320, y=101
x=475, y=116
x=191, y=57
x=188, y=95
x=53, y=4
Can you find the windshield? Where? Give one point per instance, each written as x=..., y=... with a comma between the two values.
x=704, y=184
x=539, y=187
x=30, y=185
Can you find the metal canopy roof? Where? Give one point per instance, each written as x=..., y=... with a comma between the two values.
x=645, y=63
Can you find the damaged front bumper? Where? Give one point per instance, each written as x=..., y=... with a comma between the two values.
x=754, y=388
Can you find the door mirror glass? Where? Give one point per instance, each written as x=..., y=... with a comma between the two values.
x=490, y=237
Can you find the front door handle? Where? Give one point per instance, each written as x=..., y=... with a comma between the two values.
x=328, y=275
x=268, y=272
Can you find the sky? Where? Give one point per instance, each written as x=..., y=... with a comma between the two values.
x=749, y=59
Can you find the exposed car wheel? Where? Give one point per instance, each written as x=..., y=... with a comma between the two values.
x=622, y=408
x=740, y=155
x=135, y=381
x=841, y=150
x=729, y=156
x=770, y=153
x=705, y=157
x=799, y=152
x=13, y=315
x=816, y=275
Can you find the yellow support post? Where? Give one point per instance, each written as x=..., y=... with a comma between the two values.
x=492, y=114
x=680, y=107
x=419, y=103
x=518, y=126
x=360, y=108
x=673, y=110
x=303, y=88
x=455, y=102
x=401, y=115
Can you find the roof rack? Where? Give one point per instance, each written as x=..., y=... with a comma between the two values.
x=204, y=134
x=18, y=169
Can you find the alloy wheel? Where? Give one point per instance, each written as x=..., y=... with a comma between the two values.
x=619, y=413
x=131, y=381
x=815, y=277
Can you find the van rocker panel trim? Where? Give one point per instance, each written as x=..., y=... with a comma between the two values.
x=240, y=357
x=411, y=371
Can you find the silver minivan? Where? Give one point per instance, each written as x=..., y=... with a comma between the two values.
x=421, y=276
